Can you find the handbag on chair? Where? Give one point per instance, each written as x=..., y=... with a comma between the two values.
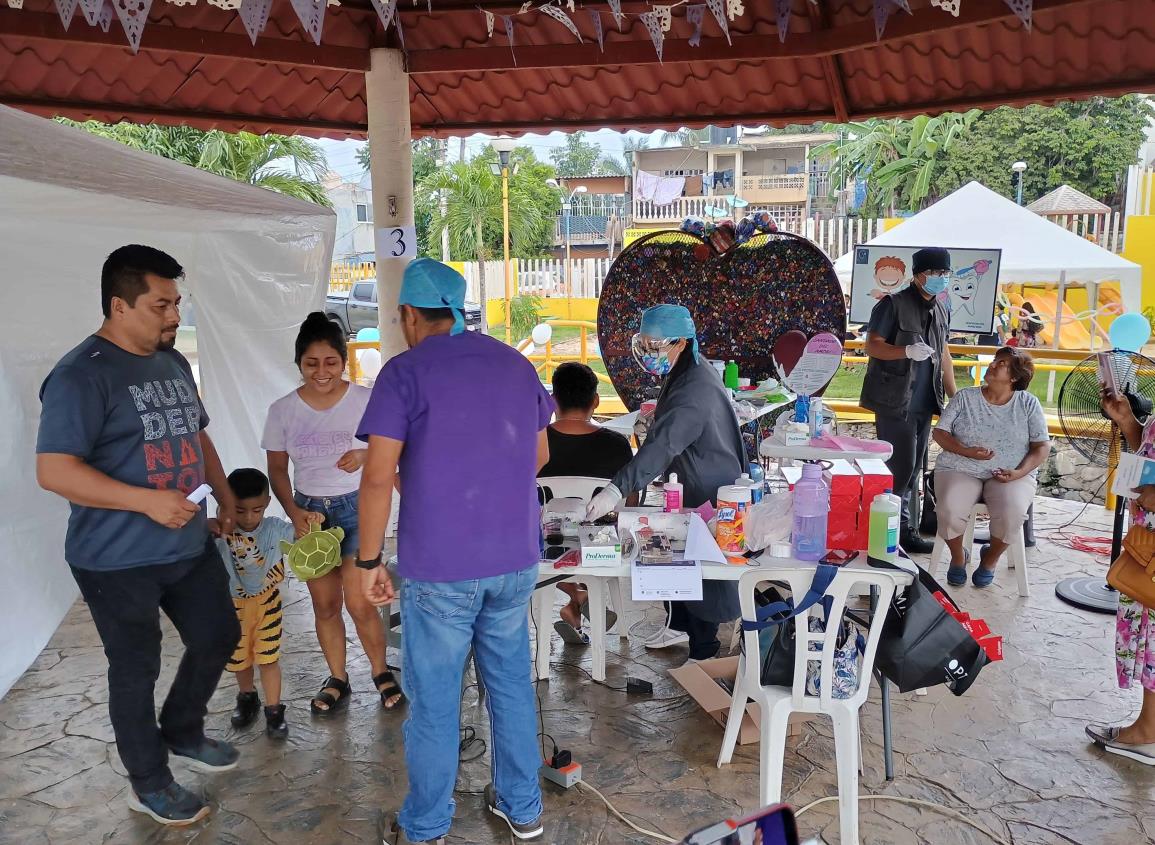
x=1133, y=572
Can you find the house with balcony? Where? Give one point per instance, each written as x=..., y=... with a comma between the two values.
x=593, y=217
x=353, y=203
x=775, y=173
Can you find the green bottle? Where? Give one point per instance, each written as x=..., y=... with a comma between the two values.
x=882, y=539
x=730, y=377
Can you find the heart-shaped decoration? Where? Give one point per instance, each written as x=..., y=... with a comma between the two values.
x=788, y=348
x=742, y=301
x=819, y=362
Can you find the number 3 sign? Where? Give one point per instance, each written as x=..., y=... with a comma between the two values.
x=397, y=242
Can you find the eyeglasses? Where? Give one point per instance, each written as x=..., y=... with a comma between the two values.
x=642, y=344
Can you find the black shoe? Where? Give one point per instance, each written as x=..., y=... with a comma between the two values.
x=209, y=756
x=913, y=544
x=173, y=805
x=275, y=727
x=528, y=830
x=248, y=706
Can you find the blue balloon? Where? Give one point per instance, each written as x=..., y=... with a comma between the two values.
x=368, y=334
x=1129, y=332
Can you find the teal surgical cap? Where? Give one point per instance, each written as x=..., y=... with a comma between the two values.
x=670, y=321
x=431, y=284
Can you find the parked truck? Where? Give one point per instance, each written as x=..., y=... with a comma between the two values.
x=357, y=309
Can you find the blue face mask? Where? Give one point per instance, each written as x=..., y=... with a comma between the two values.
x=935, y=284
x=657, y=363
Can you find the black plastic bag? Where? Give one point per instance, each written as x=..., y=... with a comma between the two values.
x=922, y=645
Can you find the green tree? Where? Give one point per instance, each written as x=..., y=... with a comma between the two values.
x=624, y=166
x=578, y=157
x=473, y=211
x=286, y=164
x=1087, y=145
x=899, y=159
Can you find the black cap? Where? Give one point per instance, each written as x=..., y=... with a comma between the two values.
x=931, y=258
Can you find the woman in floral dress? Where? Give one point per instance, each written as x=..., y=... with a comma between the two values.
x=1135, y=623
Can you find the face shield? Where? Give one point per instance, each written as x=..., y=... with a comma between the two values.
x=653, y=353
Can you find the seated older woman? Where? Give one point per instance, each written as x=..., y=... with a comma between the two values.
x=993, y=440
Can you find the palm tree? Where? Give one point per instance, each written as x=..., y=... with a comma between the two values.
x=898, y=158
x=473, y=213
x=624, y=166
x=687, y=137
x=286, y=164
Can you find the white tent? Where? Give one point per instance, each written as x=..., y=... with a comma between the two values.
x=256, y=262
x=1034, y=248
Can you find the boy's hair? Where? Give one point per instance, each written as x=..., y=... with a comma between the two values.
x=890, y=262
x=248, y=483
x=575, y=387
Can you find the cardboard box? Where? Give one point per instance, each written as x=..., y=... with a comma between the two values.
x=699, y=680
x=596, y=552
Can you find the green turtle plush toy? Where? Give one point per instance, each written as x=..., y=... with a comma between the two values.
x=317, y=553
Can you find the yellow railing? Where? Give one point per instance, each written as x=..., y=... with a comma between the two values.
x=344, y=274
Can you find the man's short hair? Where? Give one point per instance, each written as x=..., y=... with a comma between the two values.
x=123, y=274
x=575, y=387
x=433, y=315
x=248, y=483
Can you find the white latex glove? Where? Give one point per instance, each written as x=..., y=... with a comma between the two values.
x=604, y=502
x=918, y=351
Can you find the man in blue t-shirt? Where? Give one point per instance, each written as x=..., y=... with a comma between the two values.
x=122, y=439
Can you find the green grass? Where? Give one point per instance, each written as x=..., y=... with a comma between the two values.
x=847, y=383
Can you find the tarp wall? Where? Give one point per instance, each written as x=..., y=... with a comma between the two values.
x=252, y=276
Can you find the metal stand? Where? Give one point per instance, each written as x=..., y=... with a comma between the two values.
x=884, y=689
x=1093, y=593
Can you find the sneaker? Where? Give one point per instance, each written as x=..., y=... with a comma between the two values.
x=174, y=805
x=248, y=706
x=529, y=830
x=913, y=544
x=1107, y=736
x=275, y=726
x=395, y=835
x=666, y=638
x=210, y=756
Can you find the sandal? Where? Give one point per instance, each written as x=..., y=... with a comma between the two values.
x=569, y=634
x=611, y=617
x=331, y=703
x=388, y=688
x=956, y=576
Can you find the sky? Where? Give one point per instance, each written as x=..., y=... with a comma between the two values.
x=342, y=155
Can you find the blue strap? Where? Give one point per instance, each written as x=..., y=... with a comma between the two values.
x=778, y=612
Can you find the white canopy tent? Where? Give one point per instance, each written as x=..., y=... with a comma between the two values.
x=256, y=262
x=1035, y=250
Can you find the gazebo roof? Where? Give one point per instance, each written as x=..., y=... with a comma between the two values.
x=1067, y=200
x=197, y=66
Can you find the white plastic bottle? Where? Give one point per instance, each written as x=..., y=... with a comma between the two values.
x=673, y=491
x=744, y=480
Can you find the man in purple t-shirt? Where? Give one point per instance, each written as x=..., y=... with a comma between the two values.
x=463, y=417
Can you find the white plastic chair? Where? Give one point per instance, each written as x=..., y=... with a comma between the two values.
x=775, y=704
x=1016, y=553
x=581, y=487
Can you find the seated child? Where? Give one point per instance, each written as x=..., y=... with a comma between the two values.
x=580, y=447
x=252, y=556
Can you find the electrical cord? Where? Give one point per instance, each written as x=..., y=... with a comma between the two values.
x=898, y=799
x=469, y=739
x=661, y=837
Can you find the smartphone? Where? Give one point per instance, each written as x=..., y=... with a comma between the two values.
x=770, y=826
x=836, y=557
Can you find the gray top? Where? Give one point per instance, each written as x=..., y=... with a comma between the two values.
x=1008, y=430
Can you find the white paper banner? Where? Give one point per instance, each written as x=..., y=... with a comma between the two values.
x=665, y=16
x=66, y=9
x=695, y=15
x=599, y=32
x=15, y=4
x=488, y=23
x=91, y=10
x=719, y=10
x=133, y=16
x=882, y=10
x=106, y=16
x=255, y=15
x=311, y=13
x=508, y=20
x=734, y=9
x=1024, y=9
x=616, y=11
x=385, y=11
x=653, y=23
x=562, y=18
x=951, y=6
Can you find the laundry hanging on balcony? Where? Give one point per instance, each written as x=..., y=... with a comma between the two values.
x=660, y=190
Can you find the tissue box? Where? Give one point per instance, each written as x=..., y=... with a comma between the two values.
x=600, y=545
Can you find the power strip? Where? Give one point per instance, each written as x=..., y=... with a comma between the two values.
x=564, y=777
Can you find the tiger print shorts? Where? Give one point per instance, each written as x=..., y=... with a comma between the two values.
x=260, y=642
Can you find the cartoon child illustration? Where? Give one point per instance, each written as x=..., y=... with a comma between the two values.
x=889, y=276
x=965, y=287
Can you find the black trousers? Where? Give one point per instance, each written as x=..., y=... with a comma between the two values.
x=125, y=606
x=703, y=635
x=908, y=437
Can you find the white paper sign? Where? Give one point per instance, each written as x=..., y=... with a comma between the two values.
x=679, y=581
x=820, y=360
x=396, y=242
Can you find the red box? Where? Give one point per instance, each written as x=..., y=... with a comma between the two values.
x=876, y=479
x=842, y=525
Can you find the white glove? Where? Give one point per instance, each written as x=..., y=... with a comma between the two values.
x=918, y=351
x=604, y=502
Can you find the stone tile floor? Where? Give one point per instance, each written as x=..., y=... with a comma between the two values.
x=1011, y=754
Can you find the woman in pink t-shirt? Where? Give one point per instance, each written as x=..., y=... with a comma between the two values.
x=312, y=428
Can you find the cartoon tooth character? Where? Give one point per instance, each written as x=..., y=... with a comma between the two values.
x=889, y=276
x=965, y=287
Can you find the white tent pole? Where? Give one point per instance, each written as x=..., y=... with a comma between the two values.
x=391, y=172
x=1093, y=292
x=1059, y=307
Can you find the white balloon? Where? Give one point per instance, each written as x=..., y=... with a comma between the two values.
x=529, y=350
x=542, y=333
x=369, y=362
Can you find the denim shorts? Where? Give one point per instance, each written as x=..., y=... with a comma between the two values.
x=338, y=511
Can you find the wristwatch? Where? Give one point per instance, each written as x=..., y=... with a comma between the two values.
x=369, y=564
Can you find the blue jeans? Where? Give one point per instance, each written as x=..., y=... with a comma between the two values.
x=440, y=621
x=339, y=511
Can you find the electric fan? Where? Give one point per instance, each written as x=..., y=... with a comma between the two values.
x=1098, y=439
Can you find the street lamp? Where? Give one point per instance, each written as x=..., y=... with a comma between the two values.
x=504, y=145
x=567, y=211
x=1019, y=167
